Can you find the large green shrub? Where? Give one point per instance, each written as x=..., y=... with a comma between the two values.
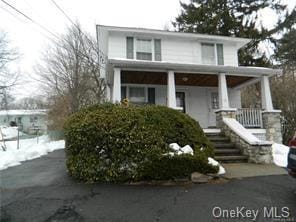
x=118, y=143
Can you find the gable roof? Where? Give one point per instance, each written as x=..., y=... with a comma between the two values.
x=205, y=37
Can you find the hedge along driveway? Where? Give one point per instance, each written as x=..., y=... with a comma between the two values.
x=117, y=143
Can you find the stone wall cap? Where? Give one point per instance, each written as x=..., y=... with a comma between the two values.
x=226, y=110
x=263, y=143
x=272, y=111
x=243, y=133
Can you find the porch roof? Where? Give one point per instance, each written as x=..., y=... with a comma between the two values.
x=160, y=66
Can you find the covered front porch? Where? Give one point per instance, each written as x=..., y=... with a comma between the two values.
x=198, y=90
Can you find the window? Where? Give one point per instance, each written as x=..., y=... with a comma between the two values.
x=157, y=49
x=123, y=92
x=129, y=47
x=144, y=51
x=215, y=100
x=180, y=100
x=137, y=94
x=151, y=95
x=33, y=119
x=220, y=56
x=208, y=54
x=212, y=54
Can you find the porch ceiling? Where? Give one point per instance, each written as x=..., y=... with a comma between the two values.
x=187, y=79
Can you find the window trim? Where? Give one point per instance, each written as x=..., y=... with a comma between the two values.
x=136, y=86
x=145, y=92
x=215, y=52
x=136, y=47
x=146, y=88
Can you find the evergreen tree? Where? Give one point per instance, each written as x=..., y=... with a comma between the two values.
x=238, y=18
x=286, y=50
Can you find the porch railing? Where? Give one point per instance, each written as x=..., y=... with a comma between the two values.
x=250, y=117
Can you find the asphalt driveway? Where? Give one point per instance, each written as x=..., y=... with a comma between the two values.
x=40, y=190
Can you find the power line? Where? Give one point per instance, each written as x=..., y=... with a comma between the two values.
x=29, y=18
x=64, y=13
x=47, y=30
x=75, y=25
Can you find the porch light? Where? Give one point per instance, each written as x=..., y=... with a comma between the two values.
x=185, y=79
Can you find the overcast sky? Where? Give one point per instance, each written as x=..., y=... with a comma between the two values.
x=31, y=40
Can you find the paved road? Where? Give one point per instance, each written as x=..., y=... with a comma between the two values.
x=40, y=190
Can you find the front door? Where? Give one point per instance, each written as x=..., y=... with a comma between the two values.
x=180, y=100
x=213, y=105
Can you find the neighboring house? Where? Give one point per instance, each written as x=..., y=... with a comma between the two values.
x=27, y=120
x=194, y=73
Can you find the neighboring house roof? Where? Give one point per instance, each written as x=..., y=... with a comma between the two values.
x=182, y=67
x=21, y=112
x=204, y=37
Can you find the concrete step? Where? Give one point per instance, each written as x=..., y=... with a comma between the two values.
x=214, y=134
x=227, y=152
x=218, y=139
x=224, y=145
x=232, y=159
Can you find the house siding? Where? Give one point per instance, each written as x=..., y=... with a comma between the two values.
x=230, y=55
x=172, y=49
x=117, y=46
x=26, y=123
x=181, y=51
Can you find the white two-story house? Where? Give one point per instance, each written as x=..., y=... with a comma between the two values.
x=194, y=73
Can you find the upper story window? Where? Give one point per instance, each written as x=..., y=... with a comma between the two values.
x=212, y=54
x=129, y=47
x=143, y=49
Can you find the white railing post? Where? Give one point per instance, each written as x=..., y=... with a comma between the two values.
x=249, y=117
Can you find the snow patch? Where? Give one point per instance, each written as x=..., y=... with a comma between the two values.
x=179, y=151
x=29, y=149
x=280, y=154
x=9, y=132
x=187, y=149
x=174, y=146
x=214, y=162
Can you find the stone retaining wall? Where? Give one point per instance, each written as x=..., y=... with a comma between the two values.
x=257, y=153
x=272, y=124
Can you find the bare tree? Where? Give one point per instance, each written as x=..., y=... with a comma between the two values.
x=33, y=102
x=7, y=56
x=284, y=94
x=70, y=72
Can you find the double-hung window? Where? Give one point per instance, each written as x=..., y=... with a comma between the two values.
x=144, y=49
x=138, y=94
x=212, y=54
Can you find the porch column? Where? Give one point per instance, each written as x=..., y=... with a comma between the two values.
x=265, y=94
x=171, y=90
x=116, y=94
x=223, y=94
